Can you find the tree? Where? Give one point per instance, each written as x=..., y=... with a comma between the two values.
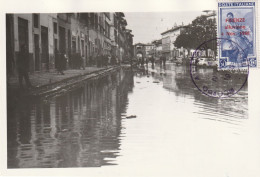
x=201, y=30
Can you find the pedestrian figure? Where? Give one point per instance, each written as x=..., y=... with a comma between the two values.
x=164, y=60
x=9, y=64
x=161, y=60
x=70, y=61
x=142, y=61
x=106, y=60
x=99, y=59
x=23, y=67
x=61, y=62
x=102, y=60
x=146, y=61
x=152, y=61
x=56, y=53
x=109, y=59
x=117, y=60
x=196, y=61
x=77, y=60
x=82, y=62
x=67, y=60
x=96, y=60
x=139, y=61
x=114, y=59
x=91, y=60
x=58, y=63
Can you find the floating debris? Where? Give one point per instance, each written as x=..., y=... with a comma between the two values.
x=156, y=82
x=56, y=88
x=131, y=117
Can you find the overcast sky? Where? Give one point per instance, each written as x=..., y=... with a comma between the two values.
x=148, y=26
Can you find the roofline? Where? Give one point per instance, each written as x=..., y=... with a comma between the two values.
x=143, y=44
x=174, y=29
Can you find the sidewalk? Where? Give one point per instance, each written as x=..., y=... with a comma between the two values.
x=47, y=81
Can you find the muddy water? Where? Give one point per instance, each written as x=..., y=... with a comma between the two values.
x=155, y=117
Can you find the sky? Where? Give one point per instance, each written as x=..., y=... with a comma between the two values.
x=148, y=26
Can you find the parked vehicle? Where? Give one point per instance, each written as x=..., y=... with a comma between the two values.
x=157, y=59
x=179, y=60
x=182, y=61
x=207, y=62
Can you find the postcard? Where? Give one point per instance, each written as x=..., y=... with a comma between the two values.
x=134, y=88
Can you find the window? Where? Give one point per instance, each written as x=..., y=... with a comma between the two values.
x=107, y=30
x=36, y=20
x=55, y=27
x=115, y=21
x=115, y=32
x=96, y=21
x=92, y=20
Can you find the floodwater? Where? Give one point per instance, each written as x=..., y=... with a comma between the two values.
x=146, y=121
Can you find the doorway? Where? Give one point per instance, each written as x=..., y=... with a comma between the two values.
x=69, y=48
x=37, y=52
x=82, y=48
x=45, y=46
x=23, y=32
x=55, y=54
x=62, y=40
x=86, y=54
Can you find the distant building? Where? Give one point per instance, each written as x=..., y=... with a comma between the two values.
x=149, y=49
x=129, y=44
x=157, y=48
x=168, y=38
x=143, y=50
x=139, y=50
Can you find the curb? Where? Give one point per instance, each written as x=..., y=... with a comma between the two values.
x=65, y=85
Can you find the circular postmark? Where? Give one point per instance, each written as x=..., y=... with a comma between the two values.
x=213, y=82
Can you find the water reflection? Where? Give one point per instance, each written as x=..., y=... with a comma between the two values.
x=79, y=129
x=177, y=79
x=87, y=127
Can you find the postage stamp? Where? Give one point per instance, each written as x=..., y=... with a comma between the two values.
x=237, y=24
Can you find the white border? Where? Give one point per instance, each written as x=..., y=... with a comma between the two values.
x=29, y=6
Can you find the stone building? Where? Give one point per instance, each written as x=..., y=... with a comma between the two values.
x=36, y=32
x=168, y=38
x=87, y=34
x=140, y=50
x=129, y=44
x=157, y=48
x=149, y=49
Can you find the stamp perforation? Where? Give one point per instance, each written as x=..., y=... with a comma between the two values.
x=253, y=57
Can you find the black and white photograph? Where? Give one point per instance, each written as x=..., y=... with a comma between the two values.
x=118, y=92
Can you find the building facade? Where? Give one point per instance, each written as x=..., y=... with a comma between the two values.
x=149, y=49
x=168, y=38
x=143, y=50
x=72, y=34
x=157, y=51
x=140, y=50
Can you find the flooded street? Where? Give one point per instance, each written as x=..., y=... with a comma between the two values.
x=132, y=120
